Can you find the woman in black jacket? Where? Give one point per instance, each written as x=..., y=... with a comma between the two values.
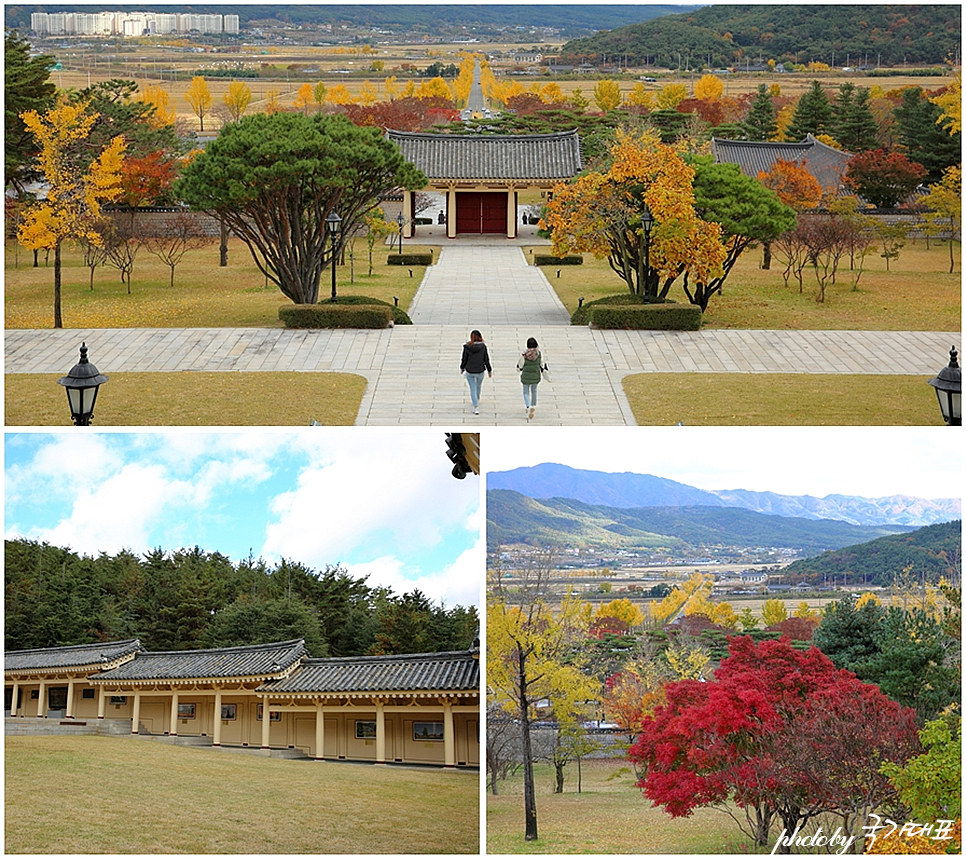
x=474, y=363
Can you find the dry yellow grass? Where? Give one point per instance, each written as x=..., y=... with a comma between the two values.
x=72, y=795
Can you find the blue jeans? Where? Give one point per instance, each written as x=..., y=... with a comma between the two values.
x=530, y=395
x=475, y=381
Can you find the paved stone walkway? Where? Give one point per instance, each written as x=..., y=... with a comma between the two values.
x=413, y=371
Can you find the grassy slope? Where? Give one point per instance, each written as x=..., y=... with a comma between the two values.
x=117, y=795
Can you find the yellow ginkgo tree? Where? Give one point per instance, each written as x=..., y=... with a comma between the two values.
x=637, y=211
x=75, y=187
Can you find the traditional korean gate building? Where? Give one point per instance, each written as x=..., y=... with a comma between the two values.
x=482, y=174
x=420, y=708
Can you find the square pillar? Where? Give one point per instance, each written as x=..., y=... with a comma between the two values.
x=216, y=727
x=173, y=730
x=451, y=213
x=319, y=732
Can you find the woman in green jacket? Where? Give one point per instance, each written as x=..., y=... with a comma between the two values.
x=530, y=365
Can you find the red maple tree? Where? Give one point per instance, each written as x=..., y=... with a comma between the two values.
x=780, y=732
x=883, y=179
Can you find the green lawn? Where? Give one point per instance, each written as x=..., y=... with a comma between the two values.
x=793, y=399
x=192, y=399
x=204, y=295
x=608, y=816
x=918, y=294
x=120, y=795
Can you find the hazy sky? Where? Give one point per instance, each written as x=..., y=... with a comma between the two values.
x=378, y=503
x=925, y=462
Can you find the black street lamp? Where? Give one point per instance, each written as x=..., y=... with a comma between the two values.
x=949, y=388
x=82, y=383
x=647, y=221
x=400, y=220
x=332, y=224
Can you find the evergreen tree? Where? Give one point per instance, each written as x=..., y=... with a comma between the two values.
x=922, y=140
x=26, y=87
x=813, y=114
x=760, y=123
x=853, y=124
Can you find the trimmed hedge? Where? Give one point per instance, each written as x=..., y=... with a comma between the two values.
x=549, y=259
x=654, y=317
x=336, y=315
x=410, y=259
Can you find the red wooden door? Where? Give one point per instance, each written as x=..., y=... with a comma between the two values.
x=481, y=212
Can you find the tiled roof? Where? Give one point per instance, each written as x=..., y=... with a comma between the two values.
x=422, y=672
x=74, y=656
x=826, y=164
x=492, y=156
x=261, y=660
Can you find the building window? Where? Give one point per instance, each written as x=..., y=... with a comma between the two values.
x=87, y=693
x=57, y=698
x=273, y=717
x=365, y=730
x=427, y=731
x=229, y=712
x=186, y=711
x=118, y=699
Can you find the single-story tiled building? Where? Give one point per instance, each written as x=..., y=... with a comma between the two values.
x=482, y=174
x=420, y=708
x=824, y=162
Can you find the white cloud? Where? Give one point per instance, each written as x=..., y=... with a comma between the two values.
x=458, y=584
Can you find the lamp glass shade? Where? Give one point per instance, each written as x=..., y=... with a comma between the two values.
x=82, y=400
x=333, y=222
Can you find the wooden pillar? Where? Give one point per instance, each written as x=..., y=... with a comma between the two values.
x=380, y=731
x=173, y=730
x=449, y=734
x=42, y=701
x=409, y=224
x=319, y=732
x=216, y=727
x=14, y=698
x=451, y=213
x=266, y=722
x=511, y=213
x=69, y=712
x=136, y=716
x=101, y=701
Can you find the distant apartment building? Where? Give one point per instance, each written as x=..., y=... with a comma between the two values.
x=129, y=24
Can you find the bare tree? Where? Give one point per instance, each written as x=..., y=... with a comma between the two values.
x=177, y=234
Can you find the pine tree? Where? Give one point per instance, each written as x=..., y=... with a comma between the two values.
x=853, y=124
x=922, y=139
x=760, y=123
x=813, y=115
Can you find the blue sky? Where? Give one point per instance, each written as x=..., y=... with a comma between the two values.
x=380, y=503
x=871, y=462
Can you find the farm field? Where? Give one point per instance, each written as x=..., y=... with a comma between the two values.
x=122, y=795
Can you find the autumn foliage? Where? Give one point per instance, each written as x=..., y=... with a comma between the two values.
x=780, y=733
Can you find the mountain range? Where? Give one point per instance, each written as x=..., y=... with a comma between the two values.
x=627, y=490
x=679, y=532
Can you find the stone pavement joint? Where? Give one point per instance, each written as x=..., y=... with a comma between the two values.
x=413, y=371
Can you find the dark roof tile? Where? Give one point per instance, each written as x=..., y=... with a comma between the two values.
x=261, y=660
x=421, y=672
x=826, y=164
x=538, y=157
x=73, y=656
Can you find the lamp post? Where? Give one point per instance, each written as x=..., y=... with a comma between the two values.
x=647, y=221
x=400, y=220
x=949, y=388
x=82, y=383
x=332, y=224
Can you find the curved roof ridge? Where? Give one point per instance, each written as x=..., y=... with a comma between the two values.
x=385, y=657
x=234, y=648
x=96, y=645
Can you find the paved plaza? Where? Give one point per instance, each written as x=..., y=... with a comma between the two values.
x=413, y=371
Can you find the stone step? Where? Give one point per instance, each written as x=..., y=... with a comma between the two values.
x=30, y=726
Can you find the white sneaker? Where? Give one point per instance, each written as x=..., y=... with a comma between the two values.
x=476, y=411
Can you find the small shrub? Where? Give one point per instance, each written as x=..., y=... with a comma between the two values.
x=335, y=315
x=549, y=259
x=410, y=259
x=654, y=317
